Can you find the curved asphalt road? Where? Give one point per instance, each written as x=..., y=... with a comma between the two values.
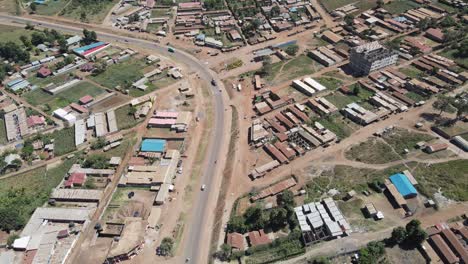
x=197, y=225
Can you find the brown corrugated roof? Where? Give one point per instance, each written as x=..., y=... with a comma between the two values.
x=455, y=244
x=258, y=238
x=236, y=240
x=275, y=153
x=443, y=250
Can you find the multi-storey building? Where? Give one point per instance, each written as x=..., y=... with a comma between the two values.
x=370, y=57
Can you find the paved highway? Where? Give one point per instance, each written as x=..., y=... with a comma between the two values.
x=197, y=225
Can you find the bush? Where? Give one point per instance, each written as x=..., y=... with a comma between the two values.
x=292, y=50
x=166, y=247
x=11, y=239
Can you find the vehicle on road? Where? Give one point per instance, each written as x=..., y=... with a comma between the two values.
x=213, y=82
x=171, y=49
x=203, y=187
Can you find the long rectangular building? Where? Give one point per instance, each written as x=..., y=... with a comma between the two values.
x=112, y=121
x=15, y=124
x=272, y=150
x=80, y=132
x=304, y=88
x=76, y=195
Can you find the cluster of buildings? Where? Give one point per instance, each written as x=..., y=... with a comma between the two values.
x=17, y=123
x=177, y=121
x=52, y=230
x=446, y=243
x=285, y=136
x=321, y=221
x=193, y=20
x=308, y=86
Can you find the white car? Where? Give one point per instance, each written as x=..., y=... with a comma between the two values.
x=203, y=187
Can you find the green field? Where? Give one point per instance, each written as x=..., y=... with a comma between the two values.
x=160, y=12
x=25, y=192
x=124, y=119
x=400, y=6
x=411, y=72
x=340, y=100
x=39, y=98
x=291, y=69
x=51, y=7
x=451, y=177
x=339, y=125
x=401, y=139
x=123, y=74
x=449, y=9
x=10, y=33
x=372, y=151
x=445, y=176
x=416, y=97
x=329, y=82
x=452, y=54
x=64, y=141
x=121, y=150
x=159, y=81
x=86, y=11
x=389, y=148
x=363, y=5
x=3, y=135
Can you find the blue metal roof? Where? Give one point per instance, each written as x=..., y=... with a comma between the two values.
x=284, y=44
x=200, y=37
x=403, y=185
x=400, y=19
x=88, y=47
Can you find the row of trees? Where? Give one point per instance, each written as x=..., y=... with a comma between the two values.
x=410, y=236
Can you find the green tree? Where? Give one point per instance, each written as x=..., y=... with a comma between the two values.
x=286, y=198
x=96, y=161
x=62, y=42
x=349, y=19
x=26, y=41
x=292, y=50
x=462, y=50
x=320, y=260
x=12, y=51
x=10, y=219
x=461, y=105
x=357, y=89
x=448, y=21
x=267, y=66
x=166, y=247
x=442, y=104
x=237, y=224
x=398, y=235
x=89, y=36
x=275, y=11
x=380, y=3
x=38, y=38
x=11, y=239
x=415, y=234
x=224, y=253
x=33, y=6
x=255, y=218
x=278, y=217
x=372, y=253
